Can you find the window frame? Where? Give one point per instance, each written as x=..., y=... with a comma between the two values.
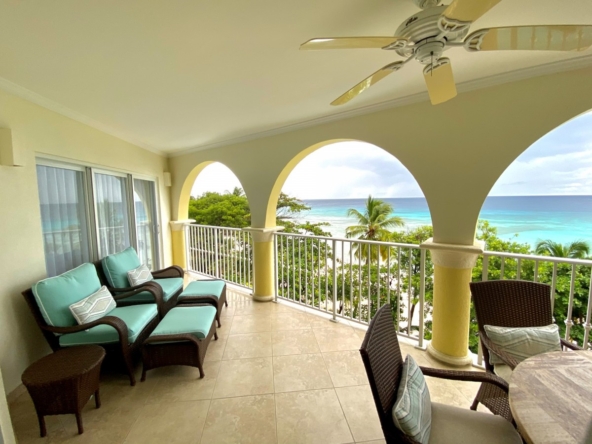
x=89, y=172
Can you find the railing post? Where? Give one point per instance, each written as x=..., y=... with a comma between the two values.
x=421, y=296
x=334, y=263
x=275, y=267
x=216, y=255
x=188, y=260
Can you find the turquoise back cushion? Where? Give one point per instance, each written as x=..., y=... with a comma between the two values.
x=117, y=265
x=55, y=295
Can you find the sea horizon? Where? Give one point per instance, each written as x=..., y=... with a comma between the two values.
x=524, y=219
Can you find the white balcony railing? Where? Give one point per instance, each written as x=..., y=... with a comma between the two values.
x=351, y=279
x=222, y=253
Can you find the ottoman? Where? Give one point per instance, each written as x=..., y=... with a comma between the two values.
x=207, y=291
x=181, y=338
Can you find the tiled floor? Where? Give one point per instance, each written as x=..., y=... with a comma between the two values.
x=276, y=375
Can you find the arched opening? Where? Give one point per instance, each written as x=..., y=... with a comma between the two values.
x=218, y=199
x=216, y=245
x=541, y=206
x=546, y=193
x=347, y=207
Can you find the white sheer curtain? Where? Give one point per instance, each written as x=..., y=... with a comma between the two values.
x=63, y=216
x=112, y=213
x=146, y=222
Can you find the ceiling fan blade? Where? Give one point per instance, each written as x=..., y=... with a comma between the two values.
x=367, y=83
x=353, y=42
x=468, y=10
x=542, y=38
x=440, y=81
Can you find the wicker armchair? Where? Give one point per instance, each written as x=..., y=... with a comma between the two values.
x=152, y=287
x=383, y=362
x=508, y=303
x=123, y=350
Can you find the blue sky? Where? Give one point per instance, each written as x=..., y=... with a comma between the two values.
x=558, y=163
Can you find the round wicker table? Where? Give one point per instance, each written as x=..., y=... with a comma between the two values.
x=550, y=397
x=63, y=382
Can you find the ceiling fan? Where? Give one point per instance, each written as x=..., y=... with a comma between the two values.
x=426, y=35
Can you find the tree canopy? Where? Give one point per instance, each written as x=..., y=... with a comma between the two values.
x=375, y=224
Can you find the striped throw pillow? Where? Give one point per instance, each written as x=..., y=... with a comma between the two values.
x=93, y=307
x=139, y=275
x=523, y=342
x=412, y=412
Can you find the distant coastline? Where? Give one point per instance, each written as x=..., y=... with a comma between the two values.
x=558, y=217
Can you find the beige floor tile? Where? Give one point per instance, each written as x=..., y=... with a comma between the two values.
x=250, y=345
x=182, y=383
x=346, y=368
x=244, y=377
x=227, y=312
x=311, y=417
x=178, y=422
x=331, y=339
x=249, y=419
x=300, y=372
x=290, y=321
x=318, y=321
x=250, y=324
x=216, y=349
x=378, y=441
x=250, y=307
x=360, y=411
x=294, y=342
x=224, y=330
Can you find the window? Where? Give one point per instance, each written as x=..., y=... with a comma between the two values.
x=62, y=198
x=88, y=214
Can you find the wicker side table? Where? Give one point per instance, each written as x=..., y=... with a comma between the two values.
x=63, y=382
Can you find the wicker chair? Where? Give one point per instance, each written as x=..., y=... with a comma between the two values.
x=123, y=350
x=150, y=286
x=508, y=303
x=383, y=362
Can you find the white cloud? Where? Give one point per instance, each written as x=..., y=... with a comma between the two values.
x=350, y=170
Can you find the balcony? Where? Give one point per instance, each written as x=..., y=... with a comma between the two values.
x=278, y=373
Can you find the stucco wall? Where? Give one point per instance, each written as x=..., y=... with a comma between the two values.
x=456, y=151
x=38, y=131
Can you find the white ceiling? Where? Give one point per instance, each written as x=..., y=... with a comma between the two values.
x=174, y=75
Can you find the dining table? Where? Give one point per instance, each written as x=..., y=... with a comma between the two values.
x=551, y=397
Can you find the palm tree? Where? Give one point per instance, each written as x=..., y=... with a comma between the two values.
x=374, y=224
x=578, y=249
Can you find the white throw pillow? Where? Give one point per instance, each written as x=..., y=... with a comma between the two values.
x=93, y=307
x=523, y=342
x=139, y=275
x=412, y=412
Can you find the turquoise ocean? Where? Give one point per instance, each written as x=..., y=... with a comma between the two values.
x=559, y=218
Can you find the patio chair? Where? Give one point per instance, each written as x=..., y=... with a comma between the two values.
x=121, y=333
x=383, y=361
x=508, y=303
x=112, y=271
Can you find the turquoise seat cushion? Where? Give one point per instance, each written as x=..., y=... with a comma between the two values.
x=181, y=320
x=170, y=286
x=136, y=317
x=117, y=265
x=55, y=295
x=203, y=288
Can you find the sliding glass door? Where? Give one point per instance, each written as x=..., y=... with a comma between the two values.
x=147, y=228
x=88, y=213
x=64, y=218
x=112, y=212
